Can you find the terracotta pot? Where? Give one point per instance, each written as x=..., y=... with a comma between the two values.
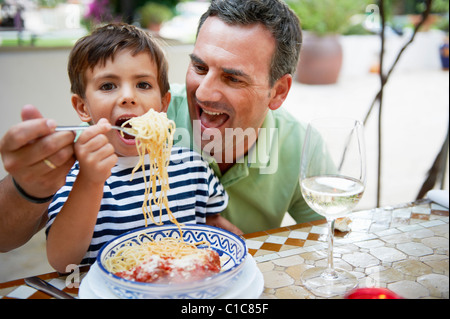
x=428, y=23
x=154, y=27
x=320, y=60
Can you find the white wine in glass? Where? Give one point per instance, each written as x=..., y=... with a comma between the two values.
x=332, y=181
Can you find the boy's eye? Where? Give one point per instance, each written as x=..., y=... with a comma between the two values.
x=107, y=87
x=144, y=85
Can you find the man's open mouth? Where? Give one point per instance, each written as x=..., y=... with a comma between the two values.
x=212, y=118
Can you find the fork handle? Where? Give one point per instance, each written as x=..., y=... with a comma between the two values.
x=81, y=128
x=70, y=128
x=44, y=286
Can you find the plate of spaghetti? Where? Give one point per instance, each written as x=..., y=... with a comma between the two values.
x=161, y=262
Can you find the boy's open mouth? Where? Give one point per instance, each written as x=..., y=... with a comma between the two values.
x=120, y=122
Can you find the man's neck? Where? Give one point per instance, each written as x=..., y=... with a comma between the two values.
x=224, y=167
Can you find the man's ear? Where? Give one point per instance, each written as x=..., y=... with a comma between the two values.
x=80, y=107
x=280, y=91
x=165, y=101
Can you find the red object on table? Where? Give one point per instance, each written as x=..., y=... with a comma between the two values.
x=372, y=293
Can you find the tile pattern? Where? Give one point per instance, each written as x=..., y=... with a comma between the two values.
x=404, y=249
x=17, y=289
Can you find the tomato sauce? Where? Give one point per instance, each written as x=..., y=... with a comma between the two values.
x=163, y=270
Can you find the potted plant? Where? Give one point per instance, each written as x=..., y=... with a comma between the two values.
x=323, y=21
x=153, y=15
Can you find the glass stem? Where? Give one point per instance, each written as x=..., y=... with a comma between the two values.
x=330, y=273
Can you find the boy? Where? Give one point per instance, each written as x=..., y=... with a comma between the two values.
x=117, y=73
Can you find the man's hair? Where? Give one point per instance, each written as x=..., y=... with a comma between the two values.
x=103, y=43
x=276, y=16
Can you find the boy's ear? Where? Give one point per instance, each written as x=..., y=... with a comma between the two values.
x=80, y=107
x=165, y=101
x=280, y=91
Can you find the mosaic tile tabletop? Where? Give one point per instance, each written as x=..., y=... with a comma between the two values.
x=404, y=249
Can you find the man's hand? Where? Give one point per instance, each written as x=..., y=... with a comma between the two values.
x=219, y=221
x=36, y=156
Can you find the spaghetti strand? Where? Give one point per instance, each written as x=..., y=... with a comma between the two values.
x=154, y=136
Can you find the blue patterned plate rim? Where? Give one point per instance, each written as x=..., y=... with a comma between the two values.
x=239, y=262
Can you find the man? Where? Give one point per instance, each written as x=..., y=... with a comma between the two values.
x=240, y=74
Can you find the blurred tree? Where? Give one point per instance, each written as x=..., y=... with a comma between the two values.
x=127, y=9
x=49, y=3
x=170, y=3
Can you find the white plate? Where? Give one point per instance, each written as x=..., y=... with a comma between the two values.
x=249, y=285
x=438, y=196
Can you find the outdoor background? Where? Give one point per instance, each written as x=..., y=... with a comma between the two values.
x=34, y=48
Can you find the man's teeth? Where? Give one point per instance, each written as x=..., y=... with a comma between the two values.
x=211, y=113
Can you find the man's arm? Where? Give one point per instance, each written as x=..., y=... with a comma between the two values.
x=19, y=218
x=24, y=149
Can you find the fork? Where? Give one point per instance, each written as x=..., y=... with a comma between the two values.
x=42, y=285
x=81, y=128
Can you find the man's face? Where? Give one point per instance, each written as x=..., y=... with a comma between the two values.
x=228, y=81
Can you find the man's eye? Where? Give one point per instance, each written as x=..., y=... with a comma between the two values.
x=144, y=85
x=232, y=79
x=199, y=68
x=107, y=87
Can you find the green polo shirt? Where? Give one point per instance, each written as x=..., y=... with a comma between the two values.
x=264, y=185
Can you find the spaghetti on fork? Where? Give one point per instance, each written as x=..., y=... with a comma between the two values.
x=154, y=136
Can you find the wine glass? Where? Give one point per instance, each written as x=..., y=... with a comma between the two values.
x=332, y=180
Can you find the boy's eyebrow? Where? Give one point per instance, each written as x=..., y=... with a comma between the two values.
x=236, y=72
x=115, y=76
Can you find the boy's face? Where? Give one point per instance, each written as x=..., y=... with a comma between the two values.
x=123, y=88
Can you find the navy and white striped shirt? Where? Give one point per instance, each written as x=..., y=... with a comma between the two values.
x=194, y=193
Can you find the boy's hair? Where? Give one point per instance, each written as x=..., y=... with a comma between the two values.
x=276, y=16
x=103, y=43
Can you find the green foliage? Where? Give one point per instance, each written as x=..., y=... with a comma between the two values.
x=154, y=13
x=49, y=3
x=418, y=6
x=327, y=16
